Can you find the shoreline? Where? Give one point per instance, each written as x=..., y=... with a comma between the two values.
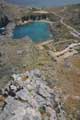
x=31, y=21
x=44, y=21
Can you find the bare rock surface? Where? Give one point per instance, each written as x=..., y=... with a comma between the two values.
x=30, y=99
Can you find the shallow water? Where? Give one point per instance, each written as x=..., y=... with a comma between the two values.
x=44, y=3
x=37, y=31
x=2, y=30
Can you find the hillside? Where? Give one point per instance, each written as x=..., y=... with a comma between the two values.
x=54, y=87
x=71, y=15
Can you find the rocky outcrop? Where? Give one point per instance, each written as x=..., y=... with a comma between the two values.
x=3, y=20
x=28, y=97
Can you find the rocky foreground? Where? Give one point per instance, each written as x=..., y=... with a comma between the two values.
x=28, y=97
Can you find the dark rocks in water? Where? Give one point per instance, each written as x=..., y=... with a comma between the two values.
x=3, y=23
x=34, y=17
x=3, y=20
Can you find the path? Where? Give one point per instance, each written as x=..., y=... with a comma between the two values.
x=74, y=32
x=40, y=45
x=69, y=51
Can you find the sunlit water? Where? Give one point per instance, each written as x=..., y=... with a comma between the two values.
x=37, y=31
x=44, y=3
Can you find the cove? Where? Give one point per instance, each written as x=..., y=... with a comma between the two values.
x=37, y=31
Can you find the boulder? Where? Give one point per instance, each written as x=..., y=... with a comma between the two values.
x=23, y=94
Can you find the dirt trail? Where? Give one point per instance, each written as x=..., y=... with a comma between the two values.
x=73, y=31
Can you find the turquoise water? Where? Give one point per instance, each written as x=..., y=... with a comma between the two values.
x=37, y=31
x=2, y=30
x=44, y=3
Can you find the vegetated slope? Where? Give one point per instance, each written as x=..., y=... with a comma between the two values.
x=12, y=12
x=18, y=56
x=71, y=15
x=15, y=56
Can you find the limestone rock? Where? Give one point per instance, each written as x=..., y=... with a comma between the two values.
x=31, y=97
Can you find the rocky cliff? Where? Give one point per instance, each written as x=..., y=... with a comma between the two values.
x=3, y=20
x=3, y=17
